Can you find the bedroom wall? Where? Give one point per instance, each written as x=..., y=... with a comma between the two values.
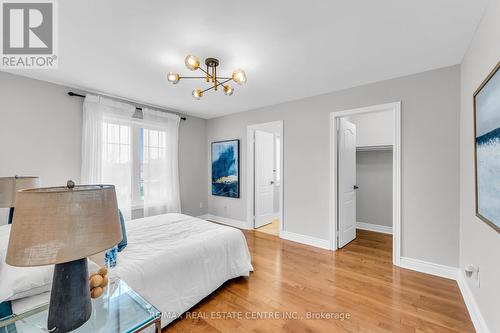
x=430, y=126
x=192, y=166
x=40, y=134
x=374, y=195
x=479, y=243
x=374, y=129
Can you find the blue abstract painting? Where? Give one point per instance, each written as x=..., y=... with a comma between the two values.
x=225, y=168
x=487, y=119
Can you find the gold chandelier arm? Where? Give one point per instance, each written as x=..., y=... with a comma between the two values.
x=204, y=71
x=191, y=77
x=216, y=79
x=212, y=87
x=219, y=84
x=202, y=77
x=222, y=83
x=226, y=79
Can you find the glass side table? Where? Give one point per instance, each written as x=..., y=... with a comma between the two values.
x=119, y=310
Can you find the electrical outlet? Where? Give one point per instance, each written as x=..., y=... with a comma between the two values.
x=201, y=204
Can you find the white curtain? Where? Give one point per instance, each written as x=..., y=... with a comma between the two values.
x=160, y=162
x=138, y=156
x=107, y=147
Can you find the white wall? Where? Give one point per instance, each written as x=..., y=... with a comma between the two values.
x=40, y=134
x=374, y=129
x=430, y=156
x=374, y=195
x=479, y=243
x=192, y=166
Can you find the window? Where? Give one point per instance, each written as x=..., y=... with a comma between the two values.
x=131, y=159
x=117, y=159
x=135, y=151
x=153, y=155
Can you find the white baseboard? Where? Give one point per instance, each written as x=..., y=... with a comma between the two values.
x=374, y=227
x=429, y=268
x=475, y=315
x=225, y=220
x=307, y=240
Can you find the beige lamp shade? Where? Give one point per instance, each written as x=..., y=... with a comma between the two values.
x=10, y=185
x=59, y=224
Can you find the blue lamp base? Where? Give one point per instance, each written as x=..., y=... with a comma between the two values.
x=70, y=305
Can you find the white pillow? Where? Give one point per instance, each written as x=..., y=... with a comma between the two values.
x=19, y=282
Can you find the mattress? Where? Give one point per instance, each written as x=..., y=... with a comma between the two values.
x=174, y=261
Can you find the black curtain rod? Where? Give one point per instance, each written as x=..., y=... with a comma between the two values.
x=83, y=96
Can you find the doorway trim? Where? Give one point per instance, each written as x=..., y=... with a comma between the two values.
x=396, y=174
x=250, y=171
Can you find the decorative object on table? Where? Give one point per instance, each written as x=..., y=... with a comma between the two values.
x=110, y=260
x=62, y=226
x=193, y=63
x=106, y=258
x=123, y=243
x=111, y=257
x=226, y=168
x=487, y=149
x=9, y=187
x=97, y=282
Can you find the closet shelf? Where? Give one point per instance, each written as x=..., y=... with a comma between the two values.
x=374, y=148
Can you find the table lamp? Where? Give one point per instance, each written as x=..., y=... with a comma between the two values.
x=9, y=187
x=63, y=226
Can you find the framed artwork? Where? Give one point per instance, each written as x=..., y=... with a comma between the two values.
x=487, y=149
x=226, y=168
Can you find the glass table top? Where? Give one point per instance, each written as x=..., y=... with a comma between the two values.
x=119, y=309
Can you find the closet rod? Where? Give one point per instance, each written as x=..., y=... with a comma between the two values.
x=72, y=94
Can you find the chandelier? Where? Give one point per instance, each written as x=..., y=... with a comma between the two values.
x=193, y=63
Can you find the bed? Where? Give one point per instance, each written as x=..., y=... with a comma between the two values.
x=174, y=261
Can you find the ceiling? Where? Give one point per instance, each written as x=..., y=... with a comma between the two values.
x=289, y=49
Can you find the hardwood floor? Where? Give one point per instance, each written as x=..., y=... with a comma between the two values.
x=272, y=228
x=358, y=280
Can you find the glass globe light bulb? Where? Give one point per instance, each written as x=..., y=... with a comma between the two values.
x=173, y=78
x=228, y=90
x=239, y=76
x=197, y=93
x=192, y=62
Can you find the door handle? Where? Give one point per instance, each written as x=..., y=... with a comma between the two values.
x=271, y=182
x=355, y=187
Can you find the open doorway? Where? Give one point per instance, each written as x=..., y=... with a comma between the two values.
x=265, y=174
x=365, y=169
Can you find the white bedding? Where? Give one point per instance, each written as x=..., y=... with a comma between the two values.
x=175, y=260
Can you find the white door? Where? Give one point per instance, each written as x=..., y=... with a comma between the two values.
x=264, y=178
x=347, y=182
